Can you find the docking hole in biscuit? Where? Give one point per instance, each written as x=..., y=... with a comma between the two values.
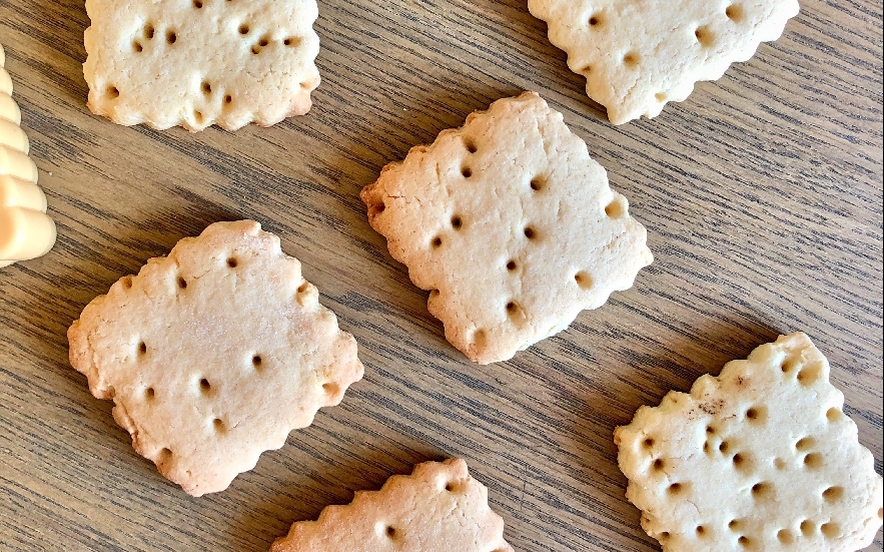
x=583, y=279
x=734, y=525
x=833, y=415
x=807, y=528
x=742, y=461
x=616, y=208
x=167, y=41
x=808, y=375
x=762, y=490
x=223, y=370
x=756, y=414
x=635, y=63
x=455, y=486
x=773, y=475
x=438, y=508
x=630, y=59
x=164, y=456
x=833, y=494
x=516, y=313
x=785, y=536
x=734, y=12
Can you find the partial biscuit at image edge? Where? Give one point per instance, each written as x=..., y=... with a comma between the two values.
x=438, y=508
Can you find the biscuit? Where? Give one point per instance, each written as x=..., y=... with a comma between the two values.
x=510, y=225
x=213, y=354
x=759, y=458
x=438, y=508
x=636, y=56
x=26, y=231
x=196, y=63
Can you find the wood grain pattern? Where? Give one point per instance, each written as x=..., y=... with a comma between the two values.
x=762, y=194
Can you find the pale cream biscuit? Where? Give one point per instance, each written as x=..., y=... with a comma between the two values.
x=213, y=354
x=759, y=458
x=438, y=508
x=636, y=56
x=511, y=225
x=196, y=63
x=26, y=231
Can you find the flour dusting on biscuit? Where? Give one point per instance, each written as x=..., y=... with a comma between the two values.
x=636, y=56
x=761, y=457
x=196, y=63
x=438, y=508
x=510, y=224
x=213, y=354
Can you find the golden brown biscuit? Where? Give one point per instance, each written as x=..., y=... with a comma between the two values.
x=510, y=224
x=213, y=354
x=438, y=508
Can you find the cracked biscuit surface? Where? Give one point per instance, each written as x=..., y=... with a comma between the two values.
x=213, y=354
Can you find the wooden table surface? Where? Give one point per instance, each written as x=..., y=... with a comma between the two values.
x=762, y=196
